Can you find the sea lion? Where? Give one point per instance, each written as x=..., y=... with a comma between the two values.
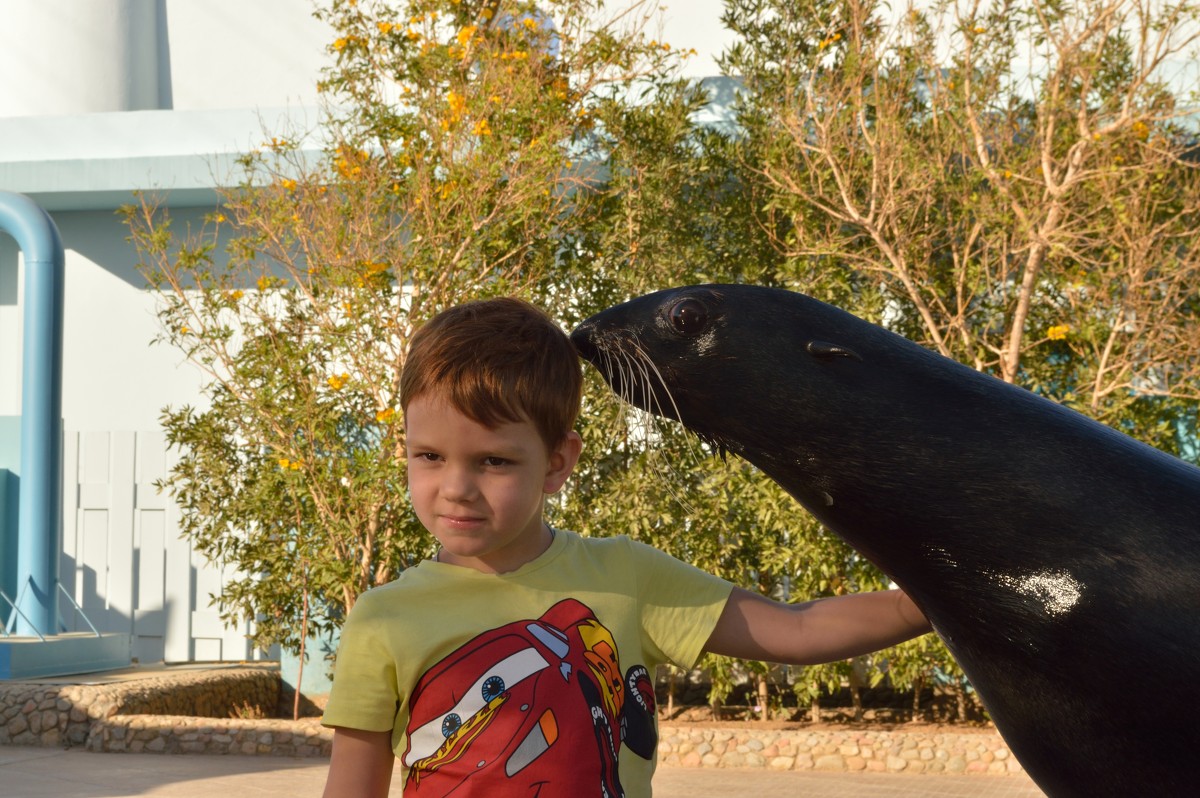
x=1058, y=558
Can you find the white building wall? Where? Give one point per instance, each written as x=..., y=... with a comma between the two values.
x=270, y=53
x=94, y=56
x=113, y=378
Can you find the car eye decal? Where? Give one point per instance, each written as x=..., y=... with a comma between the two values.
x=490, y=686
x=450, y=724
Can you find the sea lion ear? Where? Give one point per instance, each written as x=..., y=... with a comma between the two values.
x=825, y=350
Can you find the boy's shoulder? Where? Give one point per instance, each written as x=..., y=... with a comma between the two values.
x=411, y=580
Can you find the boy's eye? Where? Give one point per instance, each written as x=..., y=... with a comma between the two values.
x=495, y=461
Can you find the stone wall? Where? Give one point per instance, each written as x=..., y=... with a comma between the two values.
x=835, y=750
x=52, y=713
x=226, y=710
x=187, y=735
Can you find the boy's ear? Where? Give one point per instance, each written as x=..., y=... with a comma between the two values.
x=563, y=458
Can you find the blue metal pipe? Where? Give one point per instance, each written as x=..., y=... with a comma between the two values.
x=40, y=496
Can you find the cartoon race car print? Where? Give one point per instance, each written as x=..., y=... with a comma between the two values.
x=535, y=707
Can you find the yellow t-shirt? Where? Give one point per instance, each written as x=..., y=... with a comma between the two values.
x=535, y=682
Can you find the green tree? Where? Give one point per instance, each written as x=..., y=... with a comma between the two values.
x=453, y=165
x=1009, y=183
x=1012, y=184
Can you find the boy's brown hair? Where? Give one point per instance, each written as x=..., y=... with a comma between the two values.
x=496, y=361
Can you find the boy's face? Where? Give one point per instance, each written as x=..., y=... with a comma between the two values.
x=478, y=490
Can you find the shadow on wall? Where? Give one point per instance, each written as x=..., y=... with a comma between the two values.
x=8, y=271
x=317, y=678
x=8, y=534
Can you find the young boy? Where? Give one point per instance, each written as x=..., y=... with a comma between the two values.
x=519, y=660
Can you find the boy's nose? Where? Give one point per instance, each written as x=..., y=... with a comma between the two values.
x=458, y=484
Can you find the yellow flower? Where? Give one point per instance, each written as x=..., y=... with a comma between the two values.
x=482, y=128
x=184, y=330
x=385, y=27
x=288, y=185
x=284, y=462
x=1141, y=130
x=384, y=416
x=530, y=23
x=464, y=35
x=1058, y=332
x=220, y=217
x=458, y=104
x=235, y=295
x=979, y=29
x=264, y=282
x=338, y=381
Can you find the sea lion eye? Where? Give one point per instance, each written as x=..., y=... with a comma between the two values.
x=688, y=316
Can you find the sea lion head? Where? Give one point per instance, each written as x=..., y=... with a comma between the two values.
x=716, y=357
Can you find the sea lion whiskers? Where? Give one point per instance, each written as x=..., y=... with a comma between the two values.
x=655, y=416
x=637, y=373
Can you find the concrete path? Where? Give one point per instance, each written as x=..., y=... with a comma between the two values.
x=42, y=772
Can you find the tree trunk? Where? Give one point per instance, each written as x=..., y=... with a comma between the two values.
x=670, y=692
x=814, y=709
x=303, y=645
x=763, y=698
x=918, y=684
x=858, y=668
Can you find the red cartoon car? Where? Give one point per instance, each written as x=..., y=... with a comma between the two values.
x=534, y=707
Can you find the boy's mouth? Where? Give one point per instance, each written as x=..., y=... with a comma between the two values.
x=462, y=520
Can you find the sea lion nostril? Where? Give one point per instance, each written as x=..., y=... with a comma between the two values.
x=582, y=340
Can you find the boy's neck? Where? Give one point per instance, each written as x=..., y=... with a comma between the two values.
x=484, y=566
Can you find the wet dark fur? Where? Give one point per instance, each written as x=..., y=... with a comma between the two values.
x=980, y=499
